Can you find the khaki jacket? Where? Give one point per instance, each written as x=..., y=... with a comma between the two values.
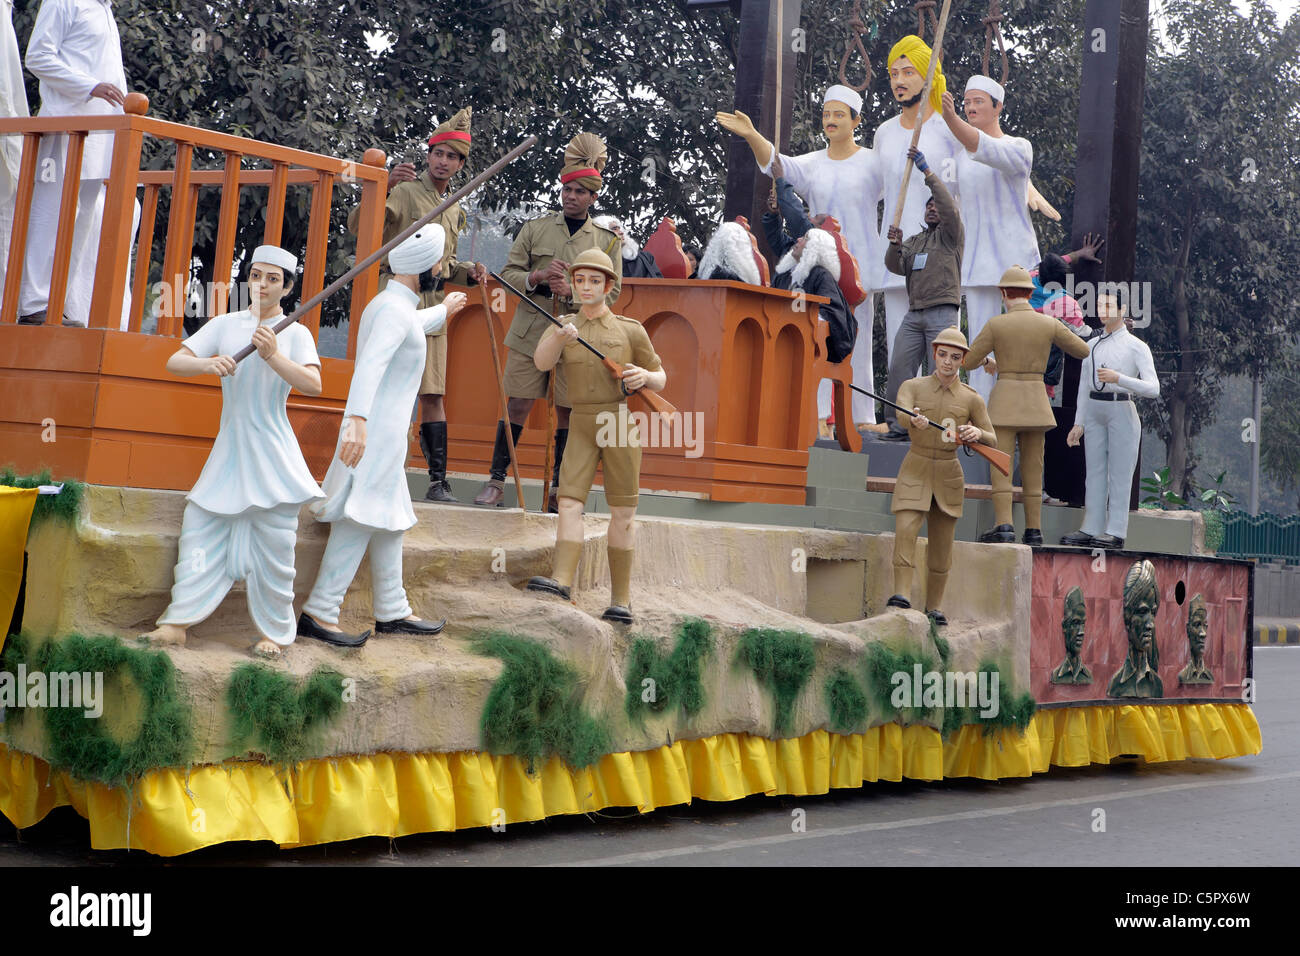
x=1021, y=341
x=406, y=203
x=938, y=281
x=539, y=241
x=931, y=469
x=623, y=340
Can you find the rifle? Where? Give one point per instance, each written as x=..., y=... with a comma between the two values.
x=654, y=401
x=383, y=250
x=998, y=459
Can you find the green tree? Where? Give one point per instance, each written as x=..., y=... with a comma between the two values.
x=1219, y=194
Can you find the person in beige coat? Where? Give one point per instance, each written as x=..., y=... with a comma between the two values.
x=1020, y=341
x=930, y=485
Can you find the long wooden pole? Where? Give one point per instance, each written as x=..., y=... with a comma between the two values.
x=402, y=236
x=935, y=55
x=488, y=316
x=780, y=51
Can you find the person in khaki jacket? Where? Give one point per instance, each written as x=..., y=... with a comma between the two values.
x=539, y=263
x=600, y=430
x=1021, y=339
x=930, y=484
x=410, y=197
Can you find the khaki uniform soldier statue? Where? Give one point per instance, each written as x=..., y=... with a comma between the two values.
x=931, y=487
x=411, y=196
x=1020, y=341
x=539, y=264
x=600, y=431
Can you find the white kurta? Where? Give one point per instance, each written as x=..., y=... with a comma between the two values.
x=13, y=102
x=256, y=461
x=848, y=189
x=241, y=521
x=73, y=48
x=385, y=382
x=994, y=184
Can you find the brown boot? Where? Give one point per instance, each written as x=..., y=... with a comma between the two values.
x=492, y=494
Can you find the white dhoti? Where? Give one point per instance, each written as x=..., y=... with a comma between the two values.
x=347, y=546
x=982, y=303
x=256, y=547
x=1110, y=443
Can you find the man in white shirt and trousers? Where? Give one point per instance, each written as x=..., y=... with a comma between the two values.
x=845, y=181
x=1117, y=369
x=241, y=517
x=76, y=53
x=993, y=175
x=368, y=501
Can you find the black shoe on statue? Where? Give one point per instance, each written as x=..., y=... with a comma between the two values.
x=1002, y=534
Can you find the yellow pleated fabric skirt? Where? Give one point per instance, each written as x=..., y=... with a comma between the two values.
x=169, y=812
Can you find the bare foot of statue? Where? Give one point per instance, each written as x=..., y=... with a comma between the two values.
x=267, y=648
x=167, y=635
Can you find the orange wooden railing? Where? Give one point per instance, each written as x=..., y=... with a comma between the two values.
x=288, y=166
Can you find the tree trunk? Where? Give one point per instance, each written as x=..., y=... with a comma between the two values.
x=1179, y=424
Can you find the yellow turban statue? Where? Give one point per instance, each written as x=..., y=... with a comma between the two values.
x=918, y=54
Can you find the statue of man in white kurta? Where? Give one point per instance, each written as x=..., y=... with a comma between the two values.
x=368, y=502
x=241, y=519
x=843, y=180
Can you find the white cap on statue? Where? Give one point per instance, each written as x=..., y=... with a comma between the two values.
x=986, y=85
x=275, y=256
x=842, y=94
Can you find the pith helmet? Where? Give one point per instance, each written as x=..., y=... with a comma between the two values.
x=951, y=336
x=593, y=259
x=1017, y=277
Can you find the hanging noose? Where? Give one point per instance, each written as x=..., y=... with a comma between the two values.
x=857, y=27
x=922, y=8
x=993, y=29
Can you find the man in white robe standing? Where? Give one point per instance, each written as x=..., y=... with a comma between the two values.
x=13, y=103
x=241, y=518
x=845, y=181
x=368, y=501
x=76, y=53
x=993, y=172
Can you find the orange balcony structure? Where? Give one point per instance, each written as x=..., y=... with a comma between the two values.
x=96, y=404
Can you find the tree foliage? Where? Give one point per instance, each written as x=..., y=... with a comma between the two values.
x=1220, y=197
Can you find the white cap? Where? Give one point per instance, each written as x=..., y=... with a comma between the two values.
x=842, y=94
x=275, y=256
x=986, y=85
x=418, y=253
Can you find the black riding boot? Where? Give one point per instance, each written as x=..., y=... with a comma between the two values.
x=433, y=442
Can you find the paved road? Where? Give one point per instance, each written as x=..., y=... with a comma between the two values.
x=1193, y=813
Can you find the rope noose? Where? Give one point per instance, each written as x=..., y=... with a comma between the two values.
x=922, y=8
x=993, y=29
x=857, y=27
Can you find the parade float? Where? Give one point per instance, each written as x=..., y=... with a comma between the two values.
x=763, y=659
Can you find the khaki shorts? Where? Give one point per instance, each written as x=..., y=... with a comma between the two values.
x=434, y=381
x=523, y=379
x=604, y=435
